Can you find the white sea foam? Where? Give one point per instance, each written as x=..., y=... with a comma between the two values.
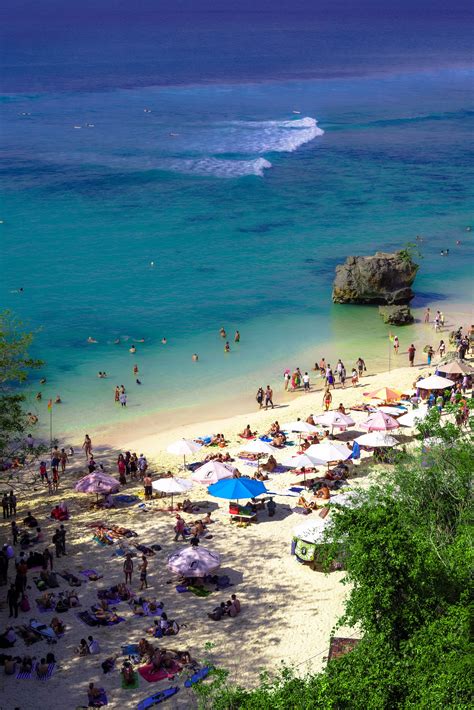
x=274, y=136
x=218, y=167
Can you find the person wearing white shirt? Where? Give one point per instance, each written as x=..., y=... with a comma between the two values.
x=94, y=647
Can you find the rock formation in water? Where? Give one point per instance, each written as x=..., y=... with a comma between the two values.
x=380, y=279
x=396, y=315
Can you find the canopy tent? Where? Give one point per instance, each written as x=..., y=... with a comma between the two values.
x=434, y=382
x=376, y=439
x=415, y=415
x=213, y=471
x=386, y=394
x=379, y=421
x=172, y=486
x=329, y=451
x=335, y=419
x=193, y=561
x=97, y=482
x=455, y=367
x=306, y=537
x=237, y=488
x=184, y=447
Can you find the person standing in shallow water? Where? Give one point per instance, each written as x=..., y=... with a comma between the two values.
x=411, y=355
x=237, y=337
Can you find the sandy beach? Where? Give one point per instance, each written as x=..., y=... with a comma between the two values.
x=288, y=610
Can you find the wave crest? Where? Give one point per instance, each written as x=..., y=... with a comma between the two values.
x=217, y=167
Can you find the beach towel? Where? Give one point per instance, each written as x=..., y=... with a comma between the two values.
x=156, y=698
x=148, y=612
x=49, y=672
x=130, y=686
x=23, y=675
x=86, y=618
x=125, y=499
x=151, y=675
x=181, y=588
x=91, y=574
x=198, y=591
x=196, y=677
x=43, y=630
x=43, y=610
x=101, y=700
x=130, y=649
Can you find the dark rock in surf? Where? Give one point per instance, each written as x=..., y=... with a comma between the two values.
x=380, y=279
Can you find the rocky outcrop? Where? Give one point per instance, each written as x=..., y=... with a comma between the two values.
x=396, y=315
x=382, y=278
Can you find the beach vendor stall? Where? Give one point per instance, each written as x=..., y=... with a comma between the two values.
x=236, y=489
x=308, y=538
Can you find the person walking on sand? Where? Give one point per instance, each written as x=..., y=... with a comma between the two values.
x=361, y=368
x=306, y=382
x=128, y=568
x=259, y=397
x=441, y=349
x=396, y=344
x=147, y=483
x=355, y=377
x=87, y=446
x=268, y=397
x=327, y=399
x=63, y=458
x=411, y=355
x=143, y=573
x=179, y=528
x=427, y=315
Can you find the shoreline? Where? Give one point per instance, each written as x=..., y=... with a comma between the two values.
x=220, y=407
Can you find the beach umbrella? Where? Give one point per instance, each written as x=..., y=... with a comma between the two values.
x=376, y=439
x=97, y=482
x=236, y=488
x=172, y=486
x=335, y=419
x=184, y=447
x=380, y=422
x=414, y=416
x=393, y=411
x=193, y=561
x=302, y=461
x=456, y=368
x=213, y=471
x=387, y=394
x=301, y=427
x=329, y=451
x=434, y=382
x=257, y=446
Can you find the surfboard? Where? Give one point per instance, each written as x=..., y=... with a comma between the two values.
x=196, y=677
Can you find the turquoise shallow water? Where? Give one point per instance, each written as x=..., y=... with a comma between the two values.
x=244, y=208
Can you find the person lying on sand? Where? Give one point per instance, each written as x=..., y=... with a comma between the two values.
x=279, y=440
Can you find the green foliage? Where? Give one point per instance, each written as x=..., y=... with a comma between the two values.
x=15, y=366
x=409, y=253
x=408, y=559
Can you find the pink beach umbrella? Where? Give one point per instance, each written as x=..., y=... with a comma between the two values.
x=97, y=482
x=193, y=561
x=379, y=421
x=335, y=420
x=212, y=471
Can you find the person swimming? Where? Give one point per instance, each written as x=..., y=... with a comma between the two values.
x=132, y=349
x=163, y=341
x=222, y=332
x=116, y=341
x=195, y=357
x=227, y=347
x=91, y=340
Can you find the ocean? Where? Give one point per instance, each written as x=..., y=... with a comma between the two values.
x=167, y=178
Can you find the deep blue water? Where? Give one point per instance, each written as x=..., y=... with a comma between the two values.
x=167, y=178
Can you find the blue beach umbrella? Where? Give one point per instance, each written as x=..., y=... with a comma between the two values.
x=235, y=488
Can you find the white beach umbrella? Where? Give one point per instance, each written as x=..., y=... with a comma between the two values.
x=416, y=415
x=213, y=471
x=335, y=419
x=302, y=460
x=301, y=427
x=172, y=486
x=184, y=447
x=434, y=382
x=257, y=446
x=329, y=451
x=376, y=439
x=393, y=411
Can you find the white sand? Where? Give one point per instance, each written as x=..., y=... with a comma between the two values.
x=288, y=610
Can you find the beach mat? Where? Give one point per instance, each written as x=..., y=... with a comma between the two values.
x=196, y=677
x=91, y=574
x=153, y=676
x=130, y=649
x=49, y=672
x=130, y=686
x=198, y=592
x=23, y=675
x=157, y=698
